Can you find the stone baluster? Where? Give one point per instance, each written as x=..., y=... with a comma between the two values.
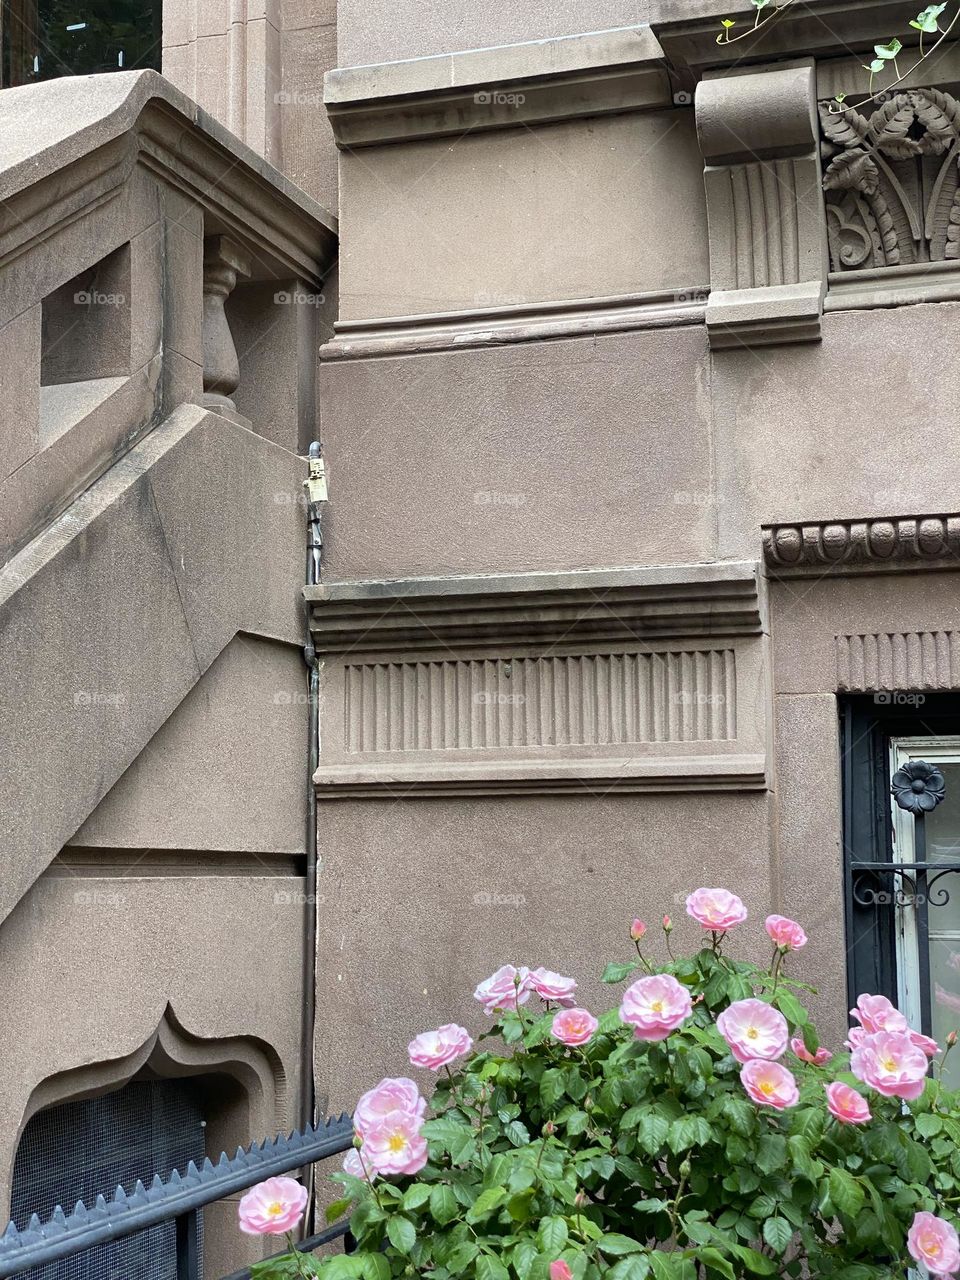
x=223, y=263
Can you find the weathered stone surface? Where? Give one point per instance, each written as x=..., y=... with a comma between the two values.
x=226, y=772
x=459, y=223
x=530, y=457
x=457, y=888
x=136, y=589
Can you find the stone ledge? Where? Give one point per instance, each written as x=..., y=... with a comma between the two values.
x=708, y=599
x=902, y=286
x=502, y=87
x=491, y=327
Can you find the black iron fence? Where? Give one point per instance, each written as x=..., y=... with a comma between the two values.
x=180, y=1199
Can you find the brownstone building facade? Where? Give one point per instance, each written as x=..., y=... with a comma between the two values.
x=631, y=358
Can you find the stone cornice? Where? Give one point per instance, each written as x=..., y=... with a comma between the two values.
x=597, y=604
x=818, y=28
x=520, y=84
x=592, y=681
x=894, y=544
x=61, y=140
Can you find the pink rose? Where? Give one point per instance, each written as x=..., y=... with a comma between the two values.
x=876, y=1013
x=394, y=1145
x=924, y=1043
x=272, y=1207
x=353, y=1165
x=436, y=1049
x=785, y=933
x=573, y=1026
x=934, y=1242
x=855, y=1036
x=559, y=1270
x=505, y=989
x=655, y=1006
x=716, y=909
x=770, y=1084
x=888, y=1062
x=846, y=1104
x=637, y=930
x=390, y=1095
x=817, y=1059
x=753, y=1029
x=552, y=986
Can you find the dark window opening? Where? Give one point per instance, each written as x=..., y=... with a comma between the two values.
x=45, y=39
x=902, y=874
x=80, y=1150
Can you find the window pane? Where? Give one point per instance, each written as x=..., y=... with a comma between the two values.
x=43, y=39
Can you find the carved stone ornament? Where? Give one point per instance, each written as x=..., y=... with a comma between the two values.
x=892, y=181
x=768, y=263
x=848, y=546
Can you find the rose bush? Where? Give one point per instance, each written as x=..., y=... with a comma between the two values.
x=699, y=1131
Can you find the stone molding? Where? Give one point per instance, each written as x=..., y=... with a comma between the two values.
x=884, y=545
x=902, y=286
x=630, y=680
x=489, y=327
x=761, y=176
x=822, y=28
x=898, y=660
x=99, y=126
x=505, y=87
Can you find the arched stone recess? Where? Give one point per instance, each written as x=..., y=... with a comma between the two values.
x=245, y=1076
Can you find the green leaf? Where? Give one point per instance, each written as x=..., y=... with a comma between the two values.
x=489, y=1268
x=846, y=1193
x=619, y=972
x=517, y=1133
x=553, y=1236
x=416, y=1195
x=928, y=1125
x=375, y=1266
x=741, y=1114
x=876, y=65
x=402, y=1233
x=524, y=1256
x=791, y=1008
x=551, y=1086
x=337, y=1209
x=634, y=1267
x=443, y=1204
x=485, y=1203
x=811, y=1041
x=713, y=1258
x=729, y=22
x=771, y=1153
x=888, y=51
x=652, y=1132
x=616, y=1245
x=462, y=1256
x=778, y=1233
x=753, y=1261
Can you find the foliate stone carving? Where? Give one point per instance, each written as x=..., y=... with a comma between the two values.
x=890, y=661
x=892, y=181
x=604, y=679
x=762, y=180
x=863, y=545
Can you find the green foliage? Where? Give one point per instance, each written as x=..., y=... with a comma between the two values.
x=631, y=1160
